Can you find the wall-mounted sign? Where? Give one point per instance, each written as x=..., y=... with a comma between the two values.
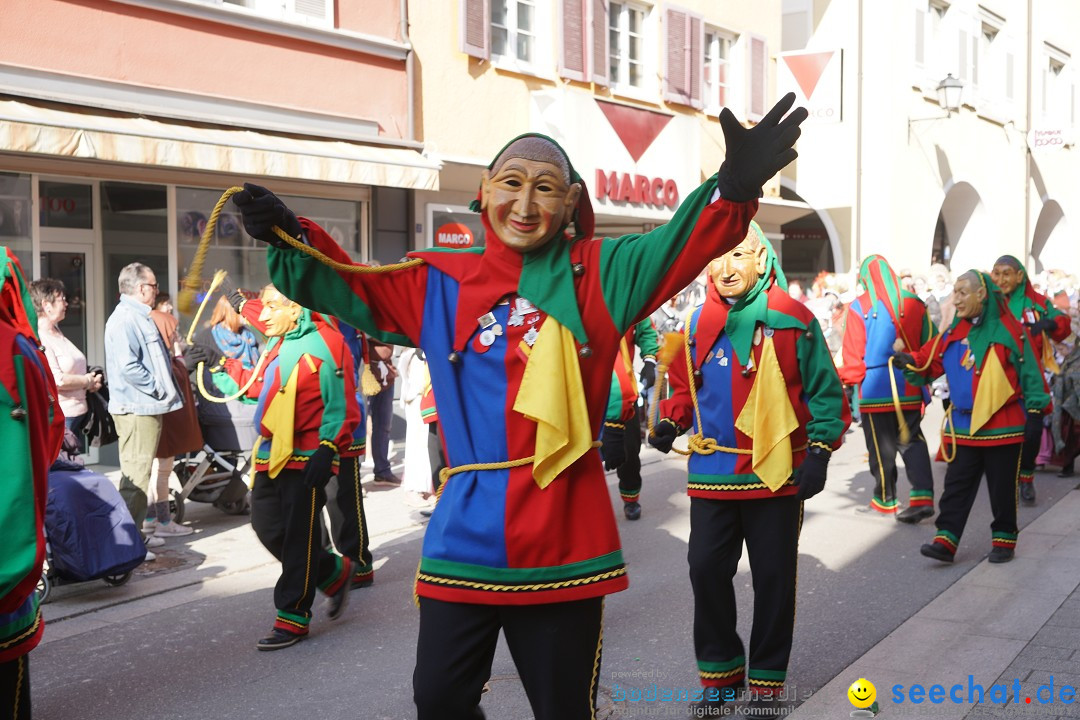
x=454, y=235
x=636, y=189
x=1048, y=139
x=816, y=78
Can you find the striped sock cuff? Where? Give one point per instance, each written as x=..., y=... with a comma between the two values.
x=947, y=540
x=1004, y=539
x=1027, y=476
x=292, y=622
x=889, y=507
x=342, y=572
x=722, y=674
x=629, y=497
x=921, y=498
x=765, y=683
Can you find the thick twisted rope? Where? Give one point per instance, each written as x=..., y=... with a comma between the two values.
x=448, y=472
x=241, y=392
x=219, y=277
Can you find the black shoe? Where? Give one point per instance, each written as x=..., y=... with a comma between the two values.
x=1001, y=554
x=337, y=602
x=632, y=510
x=914, y=514
x=279, y=639
x=937, y=552
x=363, y=580
x=1066, y=473
x=1027, y=493
x=389, y=480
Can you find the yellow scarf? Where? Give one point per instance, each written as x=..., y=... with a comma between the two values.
x=768, y=419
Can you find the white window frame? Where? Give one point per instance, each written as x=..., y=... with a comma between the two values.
x=619, y=80
x=1057, y=91
x=713, y=37
x=541, y=64
x=283, y=10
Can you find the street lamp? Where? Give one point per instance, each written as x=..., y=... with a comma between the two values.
x=949, y=91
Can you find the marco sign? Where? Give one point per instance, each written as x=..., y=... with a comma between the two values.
x=638, y=190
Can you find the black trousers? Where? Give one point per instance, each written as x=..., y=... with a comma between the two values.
x=285, y=515
x=348, y=521
x=629, y=472
x=1032, y=443
x=556, y=648
x=15, y=689
x=1000, y=464
x=770, y=528
x=882, y=432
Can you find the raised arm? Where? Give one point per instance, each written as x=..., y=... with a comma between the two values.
x=387, y=305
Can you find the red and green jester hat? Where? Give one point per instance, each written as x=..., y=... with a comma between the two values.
x=520, y=345
x=765, y=390
x=31, y=430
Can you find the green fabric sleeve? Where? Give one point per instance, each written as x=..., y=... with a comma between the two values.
x=1032, y=385
x=646, y=338
x=614, y=403
x=822, y=386
x=929, y=329
x=332, y=424
x=633, y=268
x=17, y=511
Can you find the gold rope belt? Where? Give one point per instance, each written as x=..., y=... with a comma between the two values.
x=447, y=472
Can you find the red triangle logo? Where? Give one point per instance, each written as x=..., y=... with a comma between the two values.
x=807, y=69
x=636, y=128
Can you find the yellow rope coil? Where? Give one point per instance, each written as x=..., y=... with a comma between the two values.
x=240, y=393
x=219, y=277
x=948, y=429
x=448, y=472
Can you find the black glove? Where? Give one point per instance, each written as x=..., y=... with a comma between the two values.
x=1033, y=427
x=196, y=354
x=613, y=445
x=756, y=154
x=810, y=477
x=1043, y=325
x=648, y=374
x=320, y=466
x=902, y=359
x=261, y=210
x=663, y=435
x=237, y=300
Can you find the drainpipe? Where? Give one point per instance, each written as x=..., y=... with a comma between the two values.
x=856, y=241
x=410, y=72
x=1027, y=129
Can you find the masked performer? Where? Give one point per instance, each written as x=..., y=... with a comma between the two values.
x=995, y=384
x=757, y=384
x=31, y=430
x=1044, y=323
x=880, y=320
x=521, y=337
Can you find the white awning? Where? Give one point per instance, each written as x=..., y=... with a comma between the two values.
x=65, y=131
x=774, y=212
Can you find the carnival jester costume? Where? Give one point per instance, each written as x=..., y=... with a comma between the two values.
x=1044, y=323
x=622, y=431
x=521, y=338
x=755, y=383
x=890, y=406
x=305, y=419
x=31, y=430
x=995, y=383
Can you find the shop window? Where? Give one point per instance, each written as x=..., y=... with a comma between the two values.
x=134, y=228
x=242, y=256
x=66, y=205
x=15, y=221
x=390, y=226
x=454, y=226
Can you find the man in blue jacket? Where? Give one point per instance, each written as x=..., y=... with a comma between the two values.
x=141, y=387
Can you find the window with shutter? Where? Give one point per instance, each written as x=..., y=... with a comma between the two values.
x=626, y=44
x=572, y=46
x=475, y=28
x=717, y=73
x=676, y=69
x=598, y=22
x=316, y=11
x=758, y=78
x=696, y=64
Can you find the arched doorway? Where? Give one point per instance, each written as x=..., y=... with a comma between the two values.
x=962, y=228
x=808, y=243
x=1051, y=244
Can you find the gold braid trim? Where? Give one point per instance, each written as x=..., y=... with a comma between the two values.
x=705, y=674
x=521, y=588
x=29, y=632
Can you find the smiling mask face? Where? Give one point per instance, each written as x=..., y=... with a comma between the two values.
x=737, y=271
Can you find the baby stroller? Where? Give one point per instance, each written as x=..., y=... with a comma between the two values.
x=89, y=533
x=218, y=473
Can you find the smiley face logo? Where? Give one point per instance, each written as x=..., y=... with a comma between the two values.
x=862, y=693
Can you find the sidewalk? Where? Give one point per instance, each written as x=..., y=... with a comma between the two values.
x=1016, y=624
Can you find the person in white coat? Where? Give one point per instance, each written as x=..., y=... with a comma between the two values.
x=416, y=478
